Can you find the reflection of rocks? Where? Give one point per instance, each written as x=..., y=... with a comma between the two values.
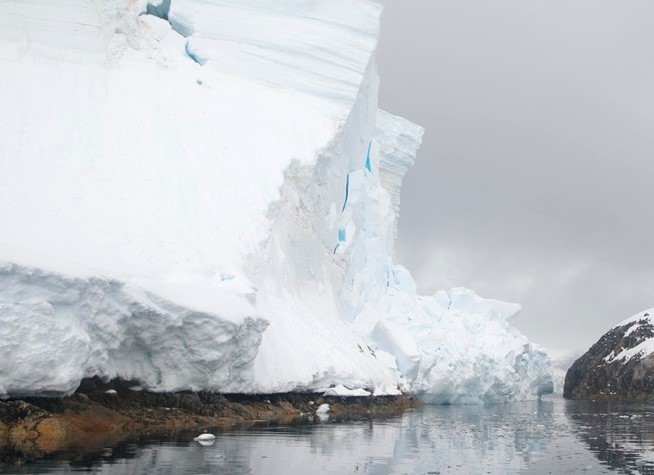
x=618, y=367
x=31, y=428
x=454, y=440
x=620, y=436
x=436, y=439
x=102, y=413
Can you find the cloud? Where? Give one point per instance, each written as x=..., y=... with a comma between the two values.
x=534, y=182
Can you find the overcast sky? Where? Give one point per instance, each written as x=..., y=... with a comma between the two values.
x=535, y=181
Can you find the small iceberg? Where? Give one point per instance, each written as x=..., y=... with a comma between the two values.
x=323, y=412
x=205, y=439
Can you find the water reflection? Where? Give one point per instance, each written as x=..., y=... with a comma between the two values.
x=552, y=436
x=474, y=439
x=442, y=439
x=620, y=435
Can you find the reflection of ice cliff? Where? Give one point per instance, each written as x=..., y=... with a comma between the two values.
x=204, y=195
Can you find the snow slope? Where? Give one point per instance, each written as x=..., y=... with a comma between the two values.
x=641, y=344
x=204, y=195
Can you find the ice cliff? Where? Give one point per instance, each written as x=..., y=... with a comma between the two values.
x=204, y=195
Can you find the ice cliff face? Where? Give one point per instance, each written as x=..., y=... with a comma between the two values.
x=204, y=195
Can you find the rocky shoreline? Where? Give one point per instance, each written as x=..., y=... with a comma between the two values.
x=100, y=414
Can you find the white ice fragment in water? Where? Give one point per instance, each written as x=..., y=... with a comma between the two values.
x=323, y=412
x=111, y=392
x=205, y=439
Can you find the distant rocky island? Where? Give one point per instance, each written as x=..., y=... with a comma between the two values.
x=620, y=366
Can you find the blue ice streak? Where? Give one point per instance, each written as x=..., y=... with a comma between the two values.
x=368, y=157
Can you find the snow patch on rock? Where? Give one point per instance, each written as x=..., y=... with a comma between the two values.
x=643, y=346
x=342, y=391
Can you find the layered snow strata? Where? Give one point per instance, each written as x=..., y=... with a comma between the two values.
x=215, y=192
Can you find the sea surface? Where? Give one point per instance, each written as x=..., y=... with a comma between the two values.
x=541, y=437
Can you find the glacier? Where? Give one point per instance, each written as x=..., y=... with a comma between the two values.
x=203, y=195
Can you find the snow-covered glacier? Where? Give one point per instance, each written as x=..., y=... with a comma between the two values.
x=204, y=194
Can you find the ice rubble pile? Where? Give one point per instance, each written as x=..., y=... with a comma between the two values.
x=203, y=195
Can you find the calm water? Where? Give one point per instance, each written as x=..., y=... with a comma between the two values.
x=552, y=436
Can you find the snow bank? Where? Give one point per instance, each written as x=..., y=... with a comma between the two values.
x=204, y=195
x=57, y=329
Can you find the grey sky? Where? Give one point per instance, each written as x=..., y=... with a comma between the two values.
x=535, y=180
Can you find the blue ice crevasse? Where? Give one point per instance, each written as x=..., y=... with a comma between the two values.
x=368, y=167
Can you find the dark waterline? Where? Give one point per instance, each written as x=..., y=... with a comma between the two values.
x=551, y=436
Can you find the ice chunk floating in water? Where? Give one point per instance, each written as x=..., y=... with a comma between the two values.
x=323, y=412
x=194, y=200
x=205, y=439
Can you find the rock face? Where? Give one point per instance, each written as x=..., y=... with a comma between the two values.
x=620, y=366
